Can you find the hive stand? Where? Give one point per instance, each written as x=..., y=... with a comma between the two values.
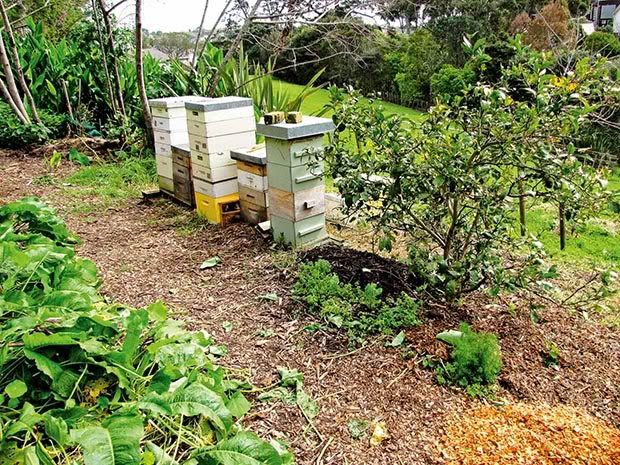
x=169, y=128
x=253, y=183
x=217, y=126
x=295, y=177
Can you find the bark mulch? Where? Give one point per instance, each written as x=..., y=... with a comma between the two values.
x=526, y=434
x=153, y=250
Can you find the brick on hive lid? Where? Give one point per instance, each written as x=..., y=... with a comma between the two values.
x=294, y=117
x=275, y=117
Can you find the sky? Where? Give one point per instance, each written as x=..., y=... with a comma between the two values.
x=172, y=15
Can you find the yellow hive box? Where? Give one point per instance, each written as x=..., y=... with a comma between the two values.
x=214, y=209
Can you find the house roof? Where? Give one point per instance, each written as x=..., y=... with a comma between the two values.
x=157, y=54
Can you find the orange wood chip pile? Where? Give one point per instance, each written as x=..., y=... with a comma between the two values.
x=523, y=434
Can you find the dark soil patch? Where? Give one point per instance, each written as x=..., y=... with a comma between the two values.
x=357, y=267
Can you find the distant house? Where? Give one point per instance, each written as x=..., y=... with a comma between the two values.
x=602, y=12
x=157, y=54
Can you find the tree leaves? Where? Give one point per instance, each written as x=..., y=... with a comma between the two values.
x=115, y=442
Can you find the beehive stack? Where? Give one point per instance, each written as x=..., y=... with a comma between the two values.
x=253, y=183
x=216, y=126
x=182, y=174
x=169, y=128
x=295, y=177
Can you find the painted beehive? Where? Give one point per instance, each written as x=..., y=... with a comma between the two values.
x=253, y=183
x=296, y=191
x=182, y=174
x=169, y=128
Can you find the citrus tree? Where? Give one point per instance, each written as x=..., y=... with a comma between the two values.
x=450, y=181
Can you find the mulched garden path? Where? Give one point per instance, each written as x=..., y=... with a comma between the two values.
x=145, y=251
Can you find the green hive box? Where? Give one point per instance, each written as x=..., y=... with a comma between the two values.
x=294, y=152
x=294, y=178
x=301, y=233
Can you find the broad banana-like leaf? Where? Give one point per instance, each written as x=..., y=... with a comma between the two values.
x=244, y=449
x=197, y=399
x=115, y=442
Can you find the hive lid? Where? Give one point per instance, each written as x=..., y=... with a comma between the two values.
x=182, y=149
x=256, y=155
x=311, y=126
x=175, y=102
x=221, y=103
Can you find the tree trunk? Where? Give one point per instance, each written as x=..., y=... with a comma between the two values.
x=146, y=110
x=7, y=95
x=202, y=23
x=10, y=84
x=233, y=47
x=112, y=47
x=105, y=61
x=18, y=66
x=562, y=227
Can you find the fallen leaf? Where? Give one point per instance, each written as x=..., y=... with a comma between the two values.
x=379, y=434
x=212, y=262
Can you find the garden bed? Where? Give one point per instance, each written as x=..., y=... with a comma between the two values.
x=154, y=250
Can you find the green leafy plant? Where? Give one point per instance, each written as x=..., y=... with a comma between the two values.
x=475, y=361
x=551, y=356
x=101, y=382
x=359, y=311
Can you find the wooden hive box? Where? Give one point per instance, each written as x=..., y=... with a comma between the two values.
x=306, y=232
x=182, y=174
x=218, y=211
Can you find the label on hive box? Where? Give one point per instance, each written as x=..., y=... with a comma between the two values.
x=164, y=166
x=221, y=143
x=223, y=173
x=167, y=124
x=221, y=128
x=163, y=150
x=253, y=196
x=253, y=181
x=218, y=189
x=297, y=206
x=171, y=138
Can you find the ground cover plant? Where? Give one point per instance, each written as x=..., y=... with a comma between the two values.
x=86, y=380
x=359, y=311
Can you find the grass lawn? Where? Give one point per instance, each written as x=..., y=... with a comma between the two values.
x=319, y=99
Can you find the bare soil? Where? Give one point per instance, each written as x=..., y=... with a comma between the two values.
x=148, y=250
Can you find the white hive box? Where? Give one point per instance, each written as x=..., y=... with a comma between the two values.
x=222, y=143
x=216, y=190
x=253, y=181
x=221, y=128
x=223, y=173
x=219, y=109
x=171, y=138
x=164, y=150
x=164, y=166
x=171, y=107
x=167, y=124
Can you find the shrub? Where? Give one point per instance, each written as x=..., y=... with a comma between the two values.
x=360, y=311
x=476, y=360
x=450, y=82
x=604, y=43
x=14, y=134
